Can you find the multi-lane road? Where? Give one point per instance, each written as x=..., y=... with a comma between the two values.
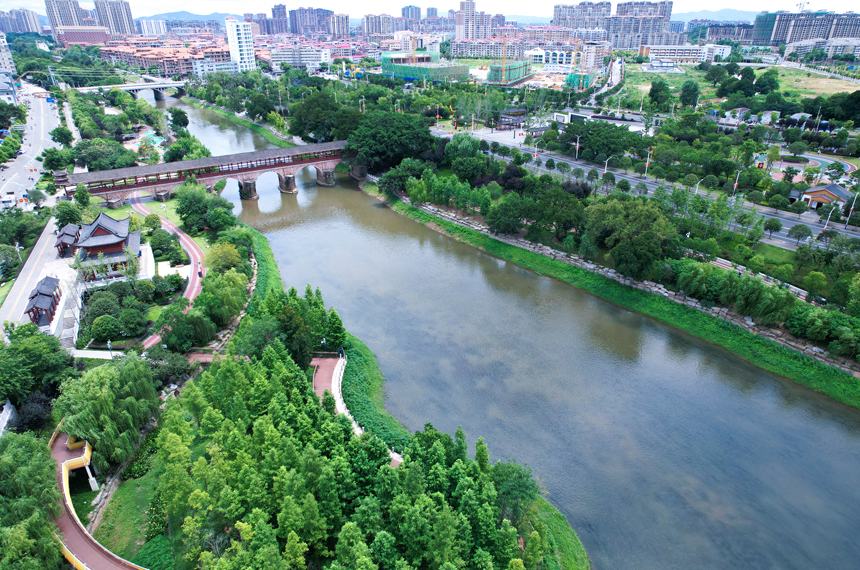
x=18, y=177
x=514, y=139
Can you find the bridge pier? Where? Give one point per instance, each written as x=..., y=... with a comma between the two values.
x=248, y=190
x=162, y=195
x=358, y=172
x=115, y=203
x=325, y=177
x=158, y=94
x=287, y=183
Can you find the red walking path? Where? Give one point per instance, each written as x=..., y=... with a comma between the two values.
x=195, y=254
x=79, y=547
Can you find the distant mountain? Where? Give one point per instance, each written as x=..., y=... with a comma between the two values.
x=43, y=20
x=189, y=16
x=529, y=19
x=722, y=15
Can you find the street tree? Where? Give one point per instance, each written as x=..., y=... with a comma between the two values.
x=689, y=93
x=62, y=135
x=799, y=231
x=772, y=225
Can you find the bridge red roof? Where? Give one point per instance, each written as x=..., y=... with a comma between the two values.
x=187, y=165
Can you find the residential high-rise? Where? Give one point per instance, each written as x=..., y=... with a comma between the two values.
x=432, y=13
x=116, y=16
x=152, y=27
x=645, y=9
x=280, y=22
x=377, y=24
x=339, y=25
x=26, y=20
x=471, y=24
x=774, y=28
x=6, y=62
x=582, y=15
x=63, y=13
x=411, y=12
x=241, y=43
x=306, y=20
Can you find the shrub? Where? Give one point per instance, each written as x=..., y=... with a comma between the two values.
x=102, y=303
x=144, y=291
x=133, y=322
x=152, y=222
x=142, y=460
x=105, y=327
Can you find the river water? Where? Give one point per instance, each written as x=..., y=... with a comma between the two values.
x=663, y=452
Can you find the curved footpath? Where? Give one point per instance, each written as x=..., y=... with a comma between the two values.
x=328, y=375
x=195, y=254
x=79, y=547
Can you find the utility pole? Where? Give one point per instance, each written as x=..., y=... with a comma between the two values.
x=647, y=164
x=577, y=147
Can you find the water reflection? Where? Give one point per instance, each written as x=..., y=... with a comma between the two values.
x=663, y=451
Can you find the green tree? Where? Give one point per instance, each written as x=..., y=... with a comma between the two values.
x=30, y=499
x=62, y=135
x=689, y=96
x=82, y=196
x=799, y=231
x=222, y=257
x=815, y=282
x=797, y=148
x=383, y=139
x=659, y=93
x=30, y=361
x=772, y=225
x=178, y=118
x=335, y=333
x=778, y=202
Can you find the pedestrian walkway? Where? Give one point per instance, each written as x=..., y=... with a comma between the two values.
x=79, y=547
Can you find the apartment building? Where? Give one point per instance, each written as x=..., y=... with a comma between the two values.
x=663, y=9
x=735, y=32
x=471, y=24
x=19, y=21
x=6, y=61
x=172, y=60
x=550, y=33
x=152, y=27
x=63, y=13
x=373, y=24
x=832, y=47
x=411, y=13
x=582, y=15
x=635, y=40
x=685, y=53
x=305, y=56
x=432, y=13
x=309, y=20
x=774, y=28
x=116, y=16
x=241, y=42
x=339, y=25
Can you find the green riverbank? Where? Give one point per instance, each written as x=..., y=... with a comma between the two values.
x=756, y=350
x=262, y=131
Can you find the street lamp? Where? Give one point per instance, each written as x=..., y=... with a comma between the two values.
x=361, y=103
x=397, y=106
x=735, y=187
x=18, y=249
x=577, y=148
x=642, y=102
x=606, y=165
x=647, y=164
x=473, y=122
x=110, y=350
x=697, y=186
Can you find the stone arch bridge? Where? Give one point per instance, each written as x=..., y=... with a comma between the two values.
x=160, y=180
x=158, y=88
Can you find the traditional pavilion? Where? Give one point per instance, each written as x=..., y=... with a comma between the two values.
x=66, y=239
x=43, y=301
x=109, y=237
x=823, y=195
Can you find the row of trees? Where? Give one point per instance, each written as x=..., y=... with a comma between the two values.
x=284, y=483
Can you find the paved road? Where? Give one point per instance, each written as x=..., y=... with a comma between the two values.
x=195, y=254
x=15, y=303
x=42, y=118
x=514, y=139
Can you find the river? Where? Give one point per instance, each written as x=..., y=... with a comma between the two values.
x=663, y=451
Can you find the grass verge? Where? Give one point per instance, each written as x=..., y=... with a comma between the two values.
x=262, y=131
x=4, y=290
x=760, y=352
x=123, y=527
x=268, y=275
x=563, y=542
x=364, y=396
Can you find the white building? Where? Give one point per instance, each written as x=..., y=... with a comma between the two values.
x=241, y=42
x=836, y=46
x=300, y=56
x=7, y=87
x=373, y=24
x=204, y=66
x=27, y=20
x=6, y=56
x=471, y=24
x=8, y=414
x=685, y=54
x=152, y=27
x=63, y=13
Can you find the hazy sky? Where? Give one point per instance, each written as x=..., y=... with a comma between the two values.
x=537, y=8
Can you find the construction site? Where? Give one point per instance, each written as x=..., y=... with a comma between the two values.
x=508, y=72
x=422, y=66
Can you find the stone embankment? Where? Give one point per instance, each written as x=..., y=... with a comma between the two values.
x=779, y=335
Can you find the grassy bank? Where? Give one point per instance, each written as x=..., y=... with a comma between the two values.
x=364, y=396
x=761, y=352
x=123, y=527
x=562, y=540
x=268, y=275
x=262, y=131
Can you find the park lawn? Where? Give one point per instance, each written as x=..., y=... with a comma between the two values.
x=153, y=313
x=808, y=84
x=642, y=81
x=165, y=210
x=123, y=527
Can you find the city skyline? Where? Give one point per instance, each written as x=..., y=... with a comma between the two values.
x=542, y=9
